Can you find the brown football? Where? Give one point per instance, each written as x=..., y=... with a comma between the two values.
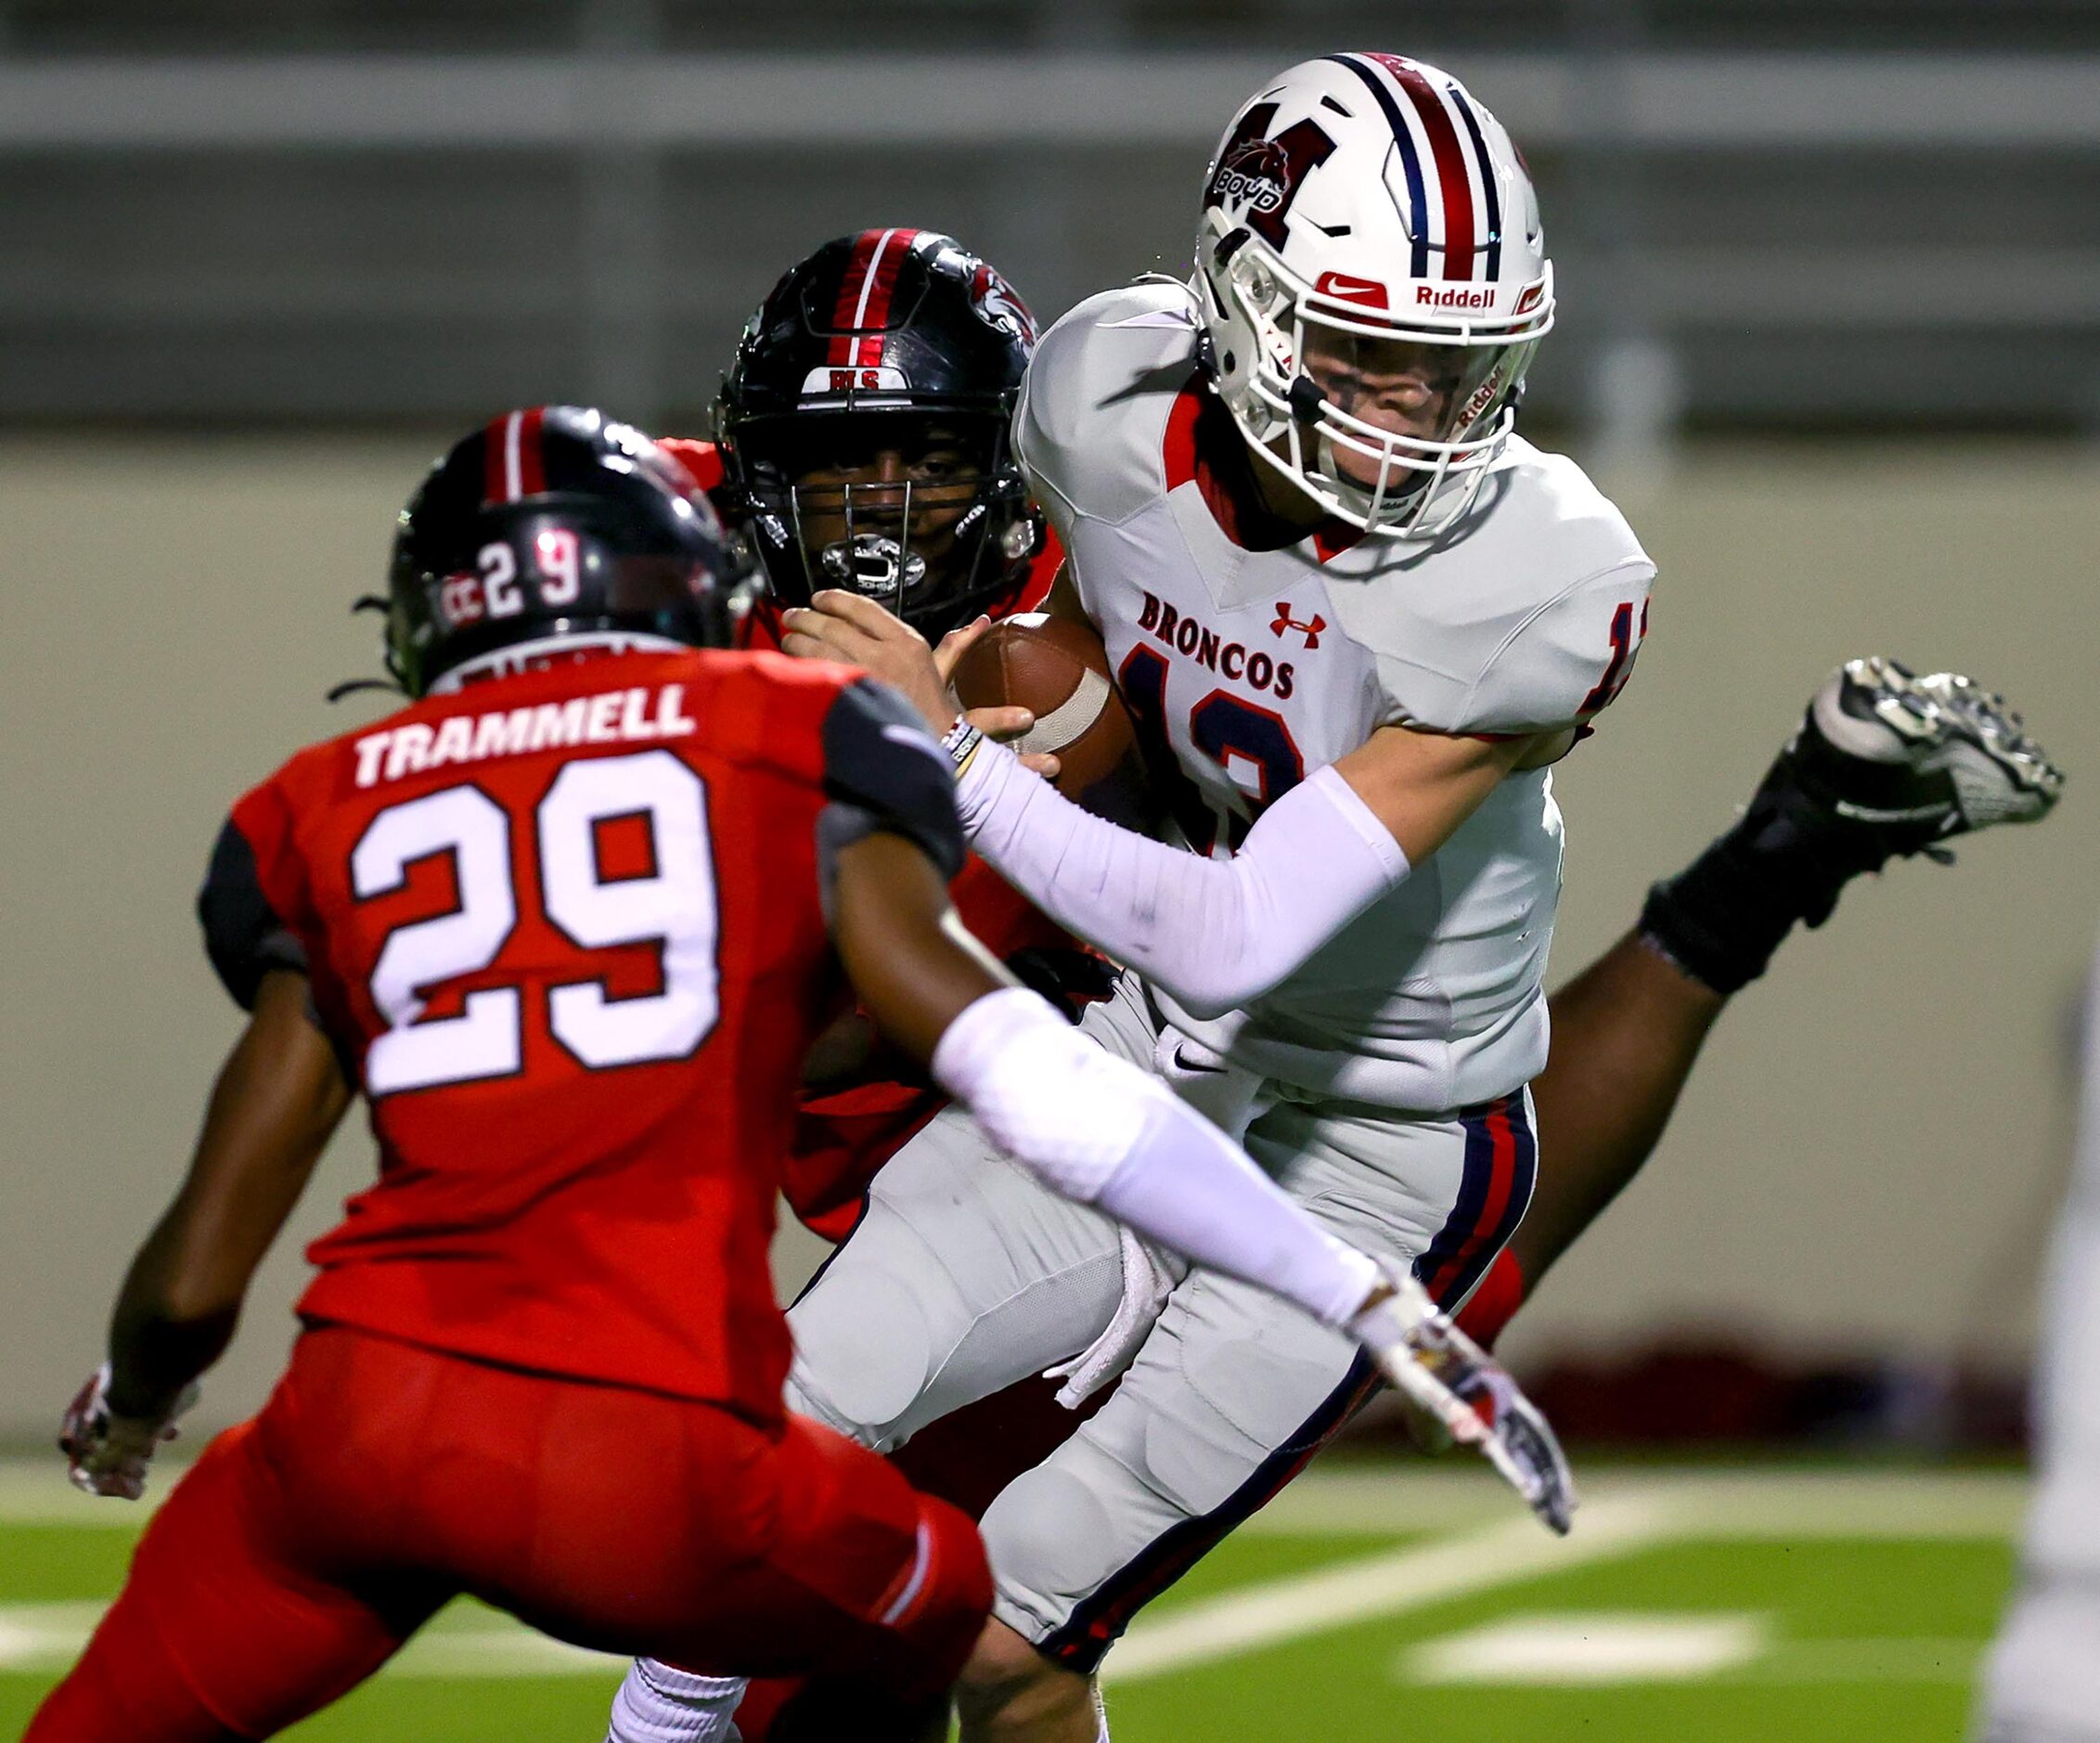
x=1058, y=670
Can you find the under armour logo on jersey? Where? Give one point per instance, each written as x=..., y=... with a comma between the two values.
x=1285, y=621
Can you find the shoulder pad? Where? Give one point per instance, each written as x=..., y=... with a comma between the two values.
x=243, y=934
x=1506, y=624
x=1095, y=401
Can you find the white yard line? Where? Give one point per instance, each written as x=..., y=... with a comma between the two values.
x=48, y=1637
x=1479, y=1542
x=1621, y=1514
x=1712, y=1503
x=1592, y=1649
x=1583, y=1648
x=1390, y=1584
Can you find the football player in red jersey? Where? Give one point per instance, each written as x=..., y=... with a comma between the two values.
x=567, y=921
x=864, y=442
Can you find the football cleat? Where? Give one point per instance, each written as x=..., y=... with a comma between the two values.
x=1446, y=1376
x=1887, y=763
x=1883, y=763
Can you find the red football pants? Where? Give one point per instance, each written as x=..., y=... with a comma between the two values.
x=382, y=1480
x=965, y=1458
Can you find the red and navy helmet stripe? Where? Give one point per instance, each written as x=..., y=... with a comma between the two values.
x=1493, y=200
x=1468, y=222
x=1454, y=183
x=513, y=462
x=866, y=291
x=1410, y=163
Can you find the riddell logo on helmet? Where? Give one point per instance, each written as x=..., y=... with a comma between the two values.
x=1458, y=297
x=1484, y=396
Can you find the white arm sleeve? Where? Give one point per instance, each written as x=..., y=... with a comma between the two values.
x=1213, y=933
x=1099, y=1129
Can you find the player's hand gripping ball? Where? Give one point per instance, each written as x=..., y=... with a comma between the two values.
x=1058, y=670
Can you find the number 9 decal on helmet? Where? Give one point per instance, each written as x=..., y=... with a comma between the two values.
x=552, y=526
x=1373, y=280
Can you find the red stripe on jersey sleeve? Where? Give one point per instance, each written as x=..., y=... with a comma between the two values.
x=701, y=461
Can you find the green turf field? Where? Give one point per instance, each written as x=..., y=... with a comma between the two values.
x=1369, y=1603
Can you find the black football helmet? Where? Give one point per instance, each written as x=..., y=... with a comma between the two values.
x=864, y=427
x=549, y=522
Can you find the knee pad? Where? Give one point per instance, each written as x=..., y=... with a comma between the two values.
x=1043, y=1534
x=864, y=1351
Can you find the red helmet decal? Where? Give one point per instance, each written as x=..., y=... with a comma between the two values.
x=999, y=304
x=1348, y=288
x=1265, y=174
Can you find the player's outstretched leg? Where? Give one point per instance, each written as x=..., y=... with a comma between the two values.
x=1884, y=762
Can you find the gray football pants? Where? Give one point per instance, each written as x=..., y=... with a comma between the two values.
x=966, y=1275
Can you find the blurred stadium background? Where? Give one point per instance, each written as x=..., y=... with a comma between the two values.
x=1830, y=277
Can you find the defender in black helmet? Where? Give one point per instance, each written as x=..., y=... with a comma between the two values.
x=553, y=523
x=864, y=430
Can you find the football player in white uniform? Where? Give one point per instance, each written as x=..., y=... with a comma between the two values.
x=1360, y=617
x=1357, y=617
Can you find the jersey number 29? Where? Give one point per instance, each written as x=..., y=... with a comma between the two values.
x=673, y=908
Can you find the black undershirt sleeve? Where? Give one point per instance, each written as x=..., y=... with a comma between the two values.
x=243, y=936
x=885, y=771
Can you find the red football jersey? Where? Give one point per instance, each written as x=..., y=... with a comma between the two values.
x=566, y=929
x=846, y=1135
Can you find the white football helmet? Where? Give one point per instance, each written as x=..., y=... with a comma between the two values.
x=1366, y=196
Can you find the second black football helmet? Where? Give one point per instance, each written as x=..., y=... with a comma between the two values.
x=864, y=427
x=553, y=522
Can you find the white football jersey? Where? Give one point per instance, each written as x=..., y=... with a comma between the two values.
x=1254, y=667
